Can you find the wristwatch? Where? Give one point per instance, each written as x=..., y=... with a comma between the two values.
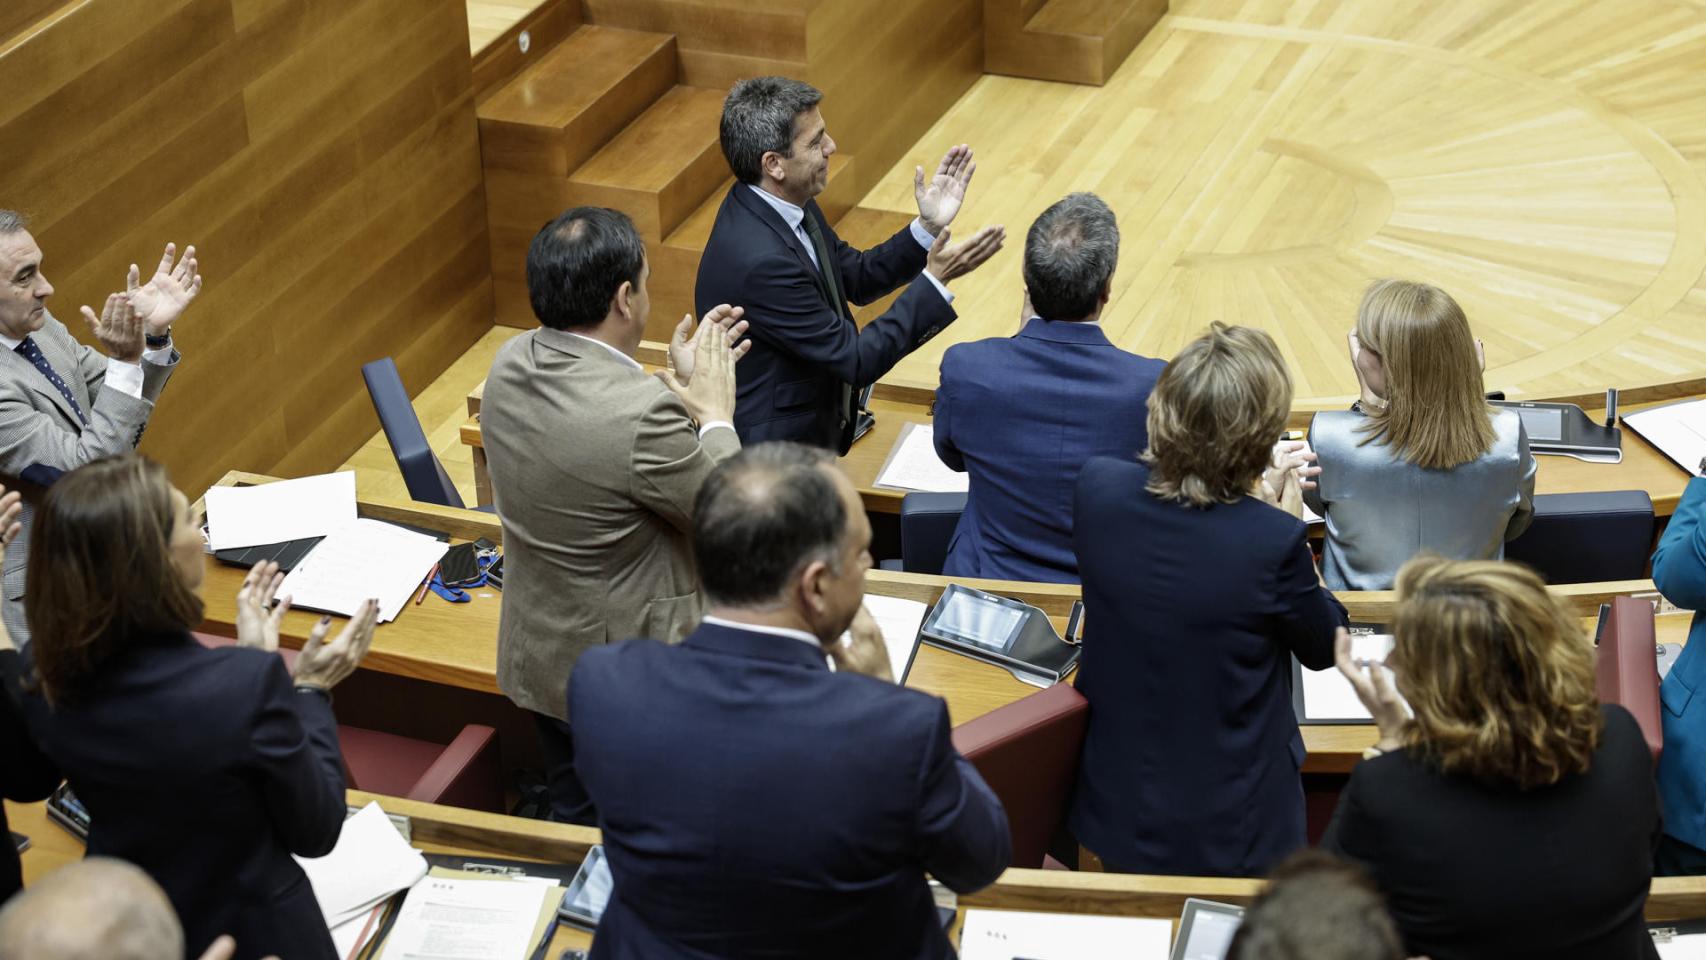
x=160, y=342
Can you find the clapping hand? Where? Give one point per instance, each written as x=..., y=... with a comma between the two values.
x=939, y=200
x=163, y=298
x=863, y=651
x=1289, y=474
x=1376, y=691
x=325, y=664
x=710, y=395
x=685, y=339
x=11, y=505
x=118, y=328
x=946, y=262
x=257, y=619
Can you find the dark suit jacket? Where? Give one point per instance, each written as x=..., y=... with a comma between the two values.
x=205, y=768
x=1191, y=759
x=754, y=804
x=1474, y=871
x=806, y=351
x=25, y=774
x=1021, y=415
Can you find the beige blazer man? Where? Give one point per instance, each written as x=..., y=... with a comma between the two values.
x=595, y=465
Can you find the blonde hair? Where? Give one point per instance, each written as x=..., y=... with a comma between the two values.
x=1436, y=414
x=1500, y=676
x=1214, y=416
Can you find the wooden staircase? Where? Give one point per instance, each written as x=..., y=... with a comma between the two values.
x=1072, y=41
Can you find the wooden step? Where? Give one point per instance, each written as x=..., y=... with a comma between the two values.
x=1072, y=41
x=662, y=167
x=576, y=98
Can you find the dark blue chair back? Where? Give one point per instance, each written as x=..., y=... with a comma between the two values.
x=422, y=473
x=927, y=522
x=1587, y=537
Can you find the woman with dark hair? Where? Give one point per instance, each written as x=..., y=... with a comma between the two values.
x=25, y=774
x=1504, y=811
x=208, y=768
x=1198, y=589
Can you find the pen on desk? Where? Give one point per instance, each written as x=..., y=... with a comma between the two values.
x=421, y=595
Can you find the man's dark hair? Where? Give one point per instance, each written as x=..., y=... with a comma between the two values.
x=762, y=516
x=1317, y=907
x=577, y=261
x=1070, y=253
x=758, y=117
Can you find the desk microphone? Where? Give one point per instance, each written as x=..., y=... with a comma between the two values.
x=1611, y=406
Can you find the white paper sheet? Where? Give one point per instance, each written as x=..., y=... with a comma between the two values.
x=1689, y=946
x=452, y=919
x=1327, y=695
x=276, y=512
x=370, y=862
x=913, y=465
x=361, y=559
x=1006, y=935
x=1677, y=429
x=899, y=619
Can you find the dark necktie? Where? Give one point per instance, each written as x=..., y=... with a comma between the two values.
x=833, y=290
x=32, y=353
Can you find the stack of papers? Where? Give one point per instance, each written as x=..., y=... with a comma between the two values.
x=899, y=619
x=1008, y=935
x=277, y=512
x=913, y=464
x=370, y=863
x=450, y=916
x=361, y=559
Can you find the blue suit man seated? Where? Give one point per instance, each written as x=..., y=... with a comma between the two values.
x=1679, y=571
x=1022, y=414
x=754, y=803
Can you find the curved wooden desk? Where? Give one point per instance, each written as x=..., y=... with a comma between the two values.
x=456, y=644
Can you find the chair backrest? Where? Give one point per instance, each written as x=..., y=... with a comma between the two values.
x=1588, y=537
x=1628, y=669
x=927, y=522
x=422, y=473
x=1028, y=752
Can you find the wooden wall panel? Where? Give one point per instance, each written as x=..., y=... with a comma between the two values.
x=323, y=155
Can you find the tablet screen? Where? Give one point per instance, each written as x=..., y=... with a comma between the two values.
x=1542, y=423
x=970, y=618
x=1209, y=935
x=590, y=890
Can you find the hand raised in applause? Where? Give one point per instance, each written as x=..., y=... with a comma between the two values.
x=864, y=651
x=940, y=199
x=1288, y=475
x=257, y=619
x=11, y=505
x=118, y=328
x=710, y=396
x=946, y=262
x=1376, y=691
x=166, y=294
x=325, y=665
x=685, y=339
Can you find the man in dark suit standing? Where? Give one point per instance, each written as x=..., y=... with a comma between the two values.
x=772, y=251
x=1021, y=414
x=753, y=802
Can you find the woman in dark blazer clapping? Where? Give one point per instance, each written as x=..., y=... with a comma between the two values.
x=1198, y=589
x=1513, y=815
x=207, y=768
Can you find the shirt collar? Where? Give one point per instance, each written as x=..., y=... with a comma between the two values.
x=799, y=635
x=8, y=342
x=1097, y=323
x=630, y=361
x=791, y=215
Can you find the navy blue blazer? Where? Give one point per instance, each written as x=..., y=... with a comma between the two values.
x=26, y=775
x=1191, y=760
x=206, y=769
x=806, y=351
x=1679, y=571
x=1021, y=415
x=755, y=804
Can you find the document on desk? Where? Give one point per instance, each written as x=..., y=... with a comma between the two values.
x=913, y=464
x=445, y=918
x=371, y=861
x=1677, y=429
x=361, y=559
x=899, y=620
x=276, y=512
x=1688, y=946
x=1016, y=935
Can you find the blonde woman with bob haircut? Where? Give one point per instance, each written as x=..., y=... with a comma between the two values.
x=1199, y=587
x=1504, y=811
x=1421, y=461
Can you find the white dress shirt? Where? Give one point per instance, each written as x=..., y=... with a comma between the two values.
x=630, y=361
x=126, y=378
x=795, y=218
x=799, y=635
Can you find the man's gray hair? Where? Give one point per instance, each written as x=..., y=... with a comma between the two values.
x=758, y=117
x=11, y=221
x=1070, y=254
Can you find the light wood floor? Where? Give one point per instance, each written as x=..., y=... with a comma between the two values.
x=1541, y=160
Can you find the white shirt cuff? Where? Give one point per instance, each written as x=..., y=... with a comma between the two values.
x=941, y=288
x=126, y=378
x=161, y=356
x=714, y=424
x=922, y=235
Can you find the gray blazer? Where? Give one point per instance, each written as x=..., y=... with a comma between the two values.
x=594, y=466
x=41, y=436
x=1381, y=511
